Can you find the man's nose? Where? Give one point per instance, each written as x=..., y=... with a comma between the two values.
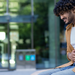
x=61, y=17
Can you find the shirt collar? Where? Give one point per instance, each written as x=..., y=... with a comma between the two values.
x=69, y=26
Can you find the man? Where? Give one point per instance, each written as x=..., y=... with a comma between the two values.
x=66, y=10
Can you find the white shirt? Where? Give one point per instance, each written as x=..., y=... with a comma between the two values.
x=72, y=38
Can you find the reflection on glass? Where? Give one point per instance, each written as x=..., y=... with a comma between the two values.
x=3, y=47
x=2, y=37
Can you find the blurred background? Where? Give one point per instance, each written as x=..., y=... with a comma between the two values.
x=31, y=26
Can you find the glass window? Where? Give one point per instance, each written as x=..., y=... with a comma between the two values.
x=41, y=34
x=24, y=31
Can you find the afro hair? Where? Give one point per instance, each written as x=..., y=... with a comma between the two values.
x=63, y=6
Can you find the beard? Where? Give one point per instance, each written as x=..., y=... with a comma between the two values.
x=70, y=19
x=68, y=23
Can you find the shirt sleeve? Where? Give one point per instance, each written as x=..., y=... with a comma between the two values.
x=68, y=47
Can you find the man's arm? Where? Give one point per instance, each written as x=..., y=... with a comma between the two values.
x=68, y=49
x=70, y=53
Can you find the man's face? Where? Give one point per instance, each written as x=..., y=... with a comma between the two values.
x=67, y=17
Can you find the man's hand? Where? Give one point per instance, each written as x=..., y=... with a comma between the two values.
x=72, y=55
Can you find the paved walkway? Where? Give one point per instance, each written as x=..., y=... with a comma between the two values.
x=18, y=72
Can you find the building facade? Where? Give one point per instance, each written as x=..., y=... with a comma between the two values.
x=47, y=35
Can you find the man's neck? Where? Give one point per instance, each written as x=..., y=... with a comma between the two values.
x=74, y=25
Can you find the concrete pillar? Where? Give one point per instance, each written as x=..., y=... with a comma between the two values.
x=54, y=41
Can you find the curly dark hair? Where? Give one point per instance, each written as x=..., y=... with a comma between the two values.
x=63, y=6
